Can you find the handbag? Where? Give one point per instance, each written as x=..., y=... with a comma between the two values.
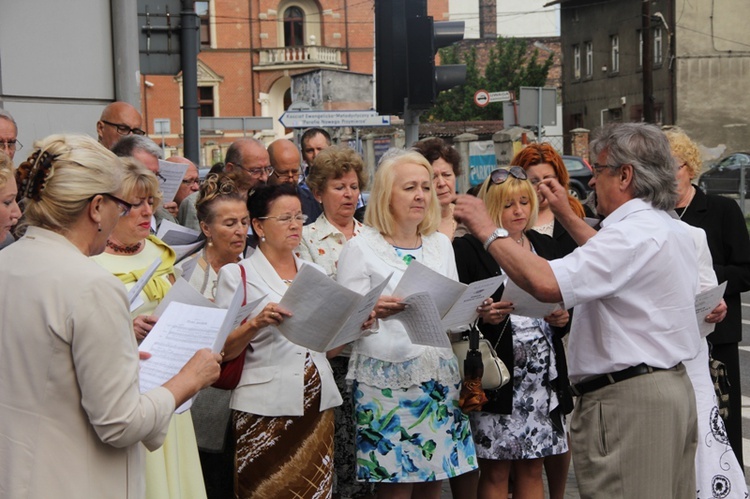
x=231, y=371
x=496, y=374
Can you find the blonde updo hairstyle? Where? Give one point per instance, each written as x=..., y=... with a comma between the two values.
x=333, y=163
x=61, y=176
x=378, y=213
x=685, y=151
x=139, y=181
x=217, y=187
x=6, y=169
x=496, y=196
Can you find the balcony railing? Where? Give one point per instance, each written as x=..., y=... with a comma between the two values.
x=301, y=55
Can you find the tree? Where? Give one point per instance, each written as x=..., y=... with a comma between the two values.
x=509, y=67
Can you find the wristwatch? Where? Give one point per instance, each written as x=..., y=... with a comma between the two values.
x=499, y=233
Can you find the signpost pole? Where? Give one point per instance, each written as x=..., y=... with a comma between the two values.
x=189, y=59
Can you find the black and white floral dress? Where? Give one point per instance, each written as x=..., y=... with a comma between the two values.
x=528, y=431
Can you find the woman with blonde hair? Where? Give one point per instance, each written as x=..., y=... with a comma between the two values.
x=522, y=423
x=173, y=470
x=72, y=417
x=9, y=210
x=411, y=433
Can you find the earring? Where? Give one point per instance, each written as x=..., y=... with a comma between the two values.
x=100, y=228
x=263, y=239
x=210, y=243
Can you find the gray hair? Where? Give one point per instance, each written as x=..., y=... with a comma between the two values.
x=646, y=149
x=127, y=145
x=7, y=116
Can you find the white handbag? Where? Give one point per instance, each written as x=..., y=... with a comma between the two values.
x=496, y=374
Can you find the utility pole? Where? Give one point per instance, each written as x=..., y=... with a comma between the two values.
x=648, y=63
x=189, y=59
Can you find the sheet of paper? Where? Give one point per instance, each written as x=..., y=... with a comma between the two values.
x=180, y=332
x=464, y=311
x=182, y=292
x=705, y=302
x=524, y=304
x=176, y=235
x=188, y=267
x=170, y=177
x=352, y=330
x=418, y=278
x=422, y=321
x=320, y=305
x=141, y=283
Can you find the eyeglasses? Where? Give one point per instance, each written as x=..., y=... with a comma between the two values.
x=257, y=172
x=124, y=206
x=501, y=174
x=287, y=219
x=190, y=181
x=11, y=145
x=598, y=169
x=124, y=129
x=288, y=173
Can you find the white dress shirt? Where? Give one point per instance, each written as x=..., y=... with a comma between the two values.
x=633, y=285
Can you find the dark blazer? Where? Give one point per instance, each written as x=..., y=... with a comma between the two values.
x=310, y=205
x=729, y=244
x=473, y=264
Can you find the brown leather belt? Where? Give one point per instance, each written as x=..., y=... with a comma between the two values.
x=610, y=379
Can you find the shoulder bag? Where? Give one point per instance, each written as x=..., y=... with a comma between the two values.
x=496, y=374
x=231, y=371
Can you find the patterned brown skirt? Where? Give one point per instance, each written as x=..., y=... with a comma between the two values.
x=286, y=457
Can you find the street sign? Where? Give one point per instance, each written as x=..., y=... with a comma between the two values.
x=333, y=119
x=501, y=96
x=159, y=36
x=236, y=123
x=481, y=98
x=538, y=106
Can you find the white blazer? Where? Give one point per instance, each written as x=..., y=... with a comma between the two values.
x=272, y=382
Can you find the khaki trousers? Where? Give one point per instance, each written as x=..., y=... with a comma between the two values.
x=637, y=438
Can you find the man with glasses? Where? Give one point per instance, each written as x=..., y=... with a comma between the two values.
x=285, y=160
x=190, y=182
x=117, y=120
x=249, y=159
x=633, y=285
x=8, y=134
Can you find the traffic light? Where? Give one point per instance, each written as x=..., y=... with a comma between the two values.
x=426, y=79
x=406, y=41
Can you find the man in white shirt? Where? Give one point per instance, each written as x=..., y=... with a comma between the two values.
x=633, y=285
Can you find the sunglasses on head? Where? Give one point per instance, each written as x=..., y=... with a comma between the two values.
x=501, y=174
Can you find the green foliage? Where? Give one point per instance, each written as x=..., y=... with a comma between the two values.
x=508, y=68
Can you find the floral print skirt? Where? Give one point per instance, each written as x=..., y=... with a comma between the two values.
x=528, y=432
x=415, y=434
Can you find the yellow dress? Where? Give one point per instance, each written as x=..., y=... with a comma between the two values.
x=173, y=471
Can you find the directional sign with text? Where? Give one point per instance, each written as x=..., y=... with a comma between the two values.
x=501, y=96
x=333, y=119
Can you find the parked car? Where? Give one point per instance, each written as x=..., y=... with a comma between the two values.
x=724, y=176
x=580, y=173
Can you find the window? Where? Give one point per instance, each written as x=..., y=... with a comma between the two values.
x=577, y=62
x=206, y=101
x=294, y=22
x=589, y=59
x=615, y=41
x=204, y=15
x=658, y=57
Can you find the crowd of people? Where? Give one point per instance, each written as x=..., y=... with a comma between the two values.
x=617, y=375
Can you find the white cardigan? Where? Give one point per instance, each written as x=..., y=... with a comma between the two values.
x=367, y=260
x=272, y=382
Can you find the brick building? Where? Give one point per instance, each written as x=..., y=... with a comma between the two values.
x=250, y=49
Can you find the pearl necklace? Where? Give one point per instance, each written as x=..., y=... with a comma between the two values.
x=520, y=240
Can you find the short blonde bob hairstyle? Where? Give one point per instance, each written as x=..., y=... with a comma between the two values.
x=378, y=213
x=139, y=181
x=7, y=171
x=496, y=196
x=77, y=169
x=684, y=151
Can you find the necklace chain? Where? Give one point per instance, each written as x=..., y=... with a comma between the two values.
x=688, y=203
x=520, y=239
